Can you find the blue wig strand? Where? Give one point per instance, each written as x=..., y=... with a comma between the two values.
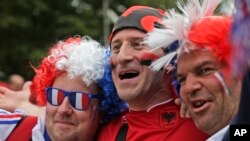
x=111, y=105
x=241, y=34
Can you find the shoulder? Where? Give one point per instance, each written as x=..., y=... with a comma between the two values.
x=8, y=118
x=110, y=130
x=189, y=131
x=8, y=122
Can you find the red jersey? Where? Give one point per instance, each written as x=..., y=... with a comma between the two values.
x=160, y=123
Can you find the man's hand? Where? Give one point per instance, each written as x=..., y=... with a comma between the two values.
x=7, y=99
x=12, y=100
x=184, y=113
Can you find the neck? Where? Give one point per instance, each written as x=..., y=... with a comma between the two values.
x=152, y=98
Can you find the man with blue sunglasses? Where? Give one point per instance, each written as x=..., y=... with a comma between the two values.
x=74, y=81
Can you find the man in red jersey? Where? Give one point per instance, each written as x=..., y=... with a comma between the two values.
x=152, y=113
x=208, y=85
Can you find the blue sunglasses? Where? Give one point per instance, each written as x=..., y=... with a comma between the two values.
x=78, y=100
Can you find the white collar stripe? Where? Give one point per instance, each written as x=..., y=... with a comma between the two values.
x=79, y=100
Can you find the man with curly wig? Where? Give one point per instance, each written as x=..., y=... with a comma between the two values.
x=74, y=82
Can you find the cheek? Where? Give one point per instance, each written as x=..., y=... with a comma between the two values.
x=214, y=86
x=87, y=118
x=153, y=79
x=50, y=110
x=183, y=94
x=112, y=60
x=148, y=75
x=50, y=113
x=114, y=78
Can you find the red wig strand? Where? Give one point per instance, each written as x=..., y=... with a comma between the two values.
x=213, y=33
x=46, y=73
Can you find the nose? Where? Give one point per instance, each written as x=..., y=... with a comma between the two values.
x=125, y=54
x=192, y=84
x=65, y=107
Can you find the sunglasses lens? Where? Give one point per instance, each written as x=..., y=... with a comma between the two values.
x=54, y=96
x=79, y=101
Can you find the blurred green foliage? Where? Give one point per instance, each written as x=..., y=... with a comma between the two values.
x=29, y=27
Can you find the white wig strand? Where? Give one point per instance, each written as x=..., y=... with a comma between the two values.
x=177, y=27
x=227, y=8
x=159, y=63
x=85, y=58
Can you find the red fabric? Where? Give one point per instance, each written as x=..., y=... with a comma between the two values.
x=152, y=126
x=23, y=131
x=4, y=84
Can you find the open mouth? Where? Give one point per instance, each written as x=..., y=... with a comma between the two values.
x=198, y=104
x=128, y=75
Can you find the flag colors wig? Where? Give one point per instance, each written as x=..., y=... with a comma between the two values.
x=195, y=28
x=213, y=33
x=82, y=57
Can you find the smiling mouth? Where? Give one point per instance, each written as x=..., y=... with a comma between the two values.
x=198, y=104
x=128, y=75
x=65, y=123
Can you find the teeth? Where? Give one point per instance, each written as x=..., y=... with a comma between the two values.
x=198, y=104
x=128, y=72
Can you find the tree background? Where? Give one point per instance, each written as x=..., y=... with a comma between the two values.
x=29, y=27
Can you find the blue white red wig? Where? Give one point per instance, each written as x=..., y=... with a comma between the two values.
x=84, y=57
x=195, y=28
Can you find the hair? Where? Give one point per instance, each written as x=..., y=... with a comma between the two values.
x=195, y=28
x=82, y=57
x=213, y=33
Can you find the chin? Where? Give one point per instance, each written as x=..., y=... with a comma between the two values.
x=124, y=97
x=63, y=137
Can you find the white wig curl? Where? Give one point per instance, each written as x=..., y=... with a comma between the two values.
x=84, y=57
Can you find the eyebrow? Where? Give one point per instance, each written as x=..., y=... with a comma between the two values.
x=116, y=41
x=203, y=64
x=198, y=67
x=130, y=39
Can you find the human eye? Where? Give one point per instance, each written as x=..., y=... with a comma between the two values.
x=181, y=80
x=115, y=48
x=135, y=44
x=206, y=70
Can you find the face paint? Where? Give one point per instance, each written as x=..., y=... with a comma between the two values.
x=147, y=58
x=221, y=81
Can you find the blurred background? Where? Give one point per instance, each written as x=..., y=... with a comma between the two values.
x=29, y=27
